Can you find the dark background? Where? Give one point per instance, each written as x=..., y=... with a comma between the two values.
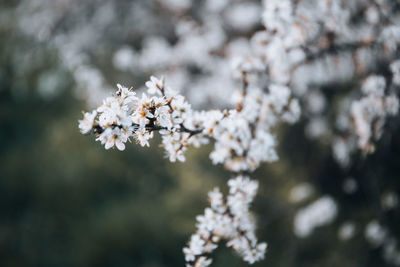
x=66, y=201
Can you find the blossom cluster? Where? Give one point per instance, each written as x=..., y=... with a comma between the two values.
x=242, y=137
x=361, y=121
x=318, y=213
x=227, y=219
x=370, y=111
x=311, y=44
x=378, y=235
x=125, y=115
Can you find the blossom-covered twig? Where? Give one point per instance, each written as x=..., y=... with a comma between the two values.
x=227, y=219
x=242, y=141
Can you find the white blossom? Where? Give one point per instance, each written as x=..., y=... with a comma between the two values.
x=318, y=213
x=114, y=136
x=395, y=68
x=346, y=231
x=300, y=192
x=155, y=85
x=375, y=233
x=86, y=125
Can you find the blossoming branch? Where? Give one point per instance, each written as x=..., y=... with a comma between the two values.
x=242, y=141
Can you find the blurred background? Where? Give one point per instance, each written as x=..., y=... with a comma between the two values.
x=66, y=201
